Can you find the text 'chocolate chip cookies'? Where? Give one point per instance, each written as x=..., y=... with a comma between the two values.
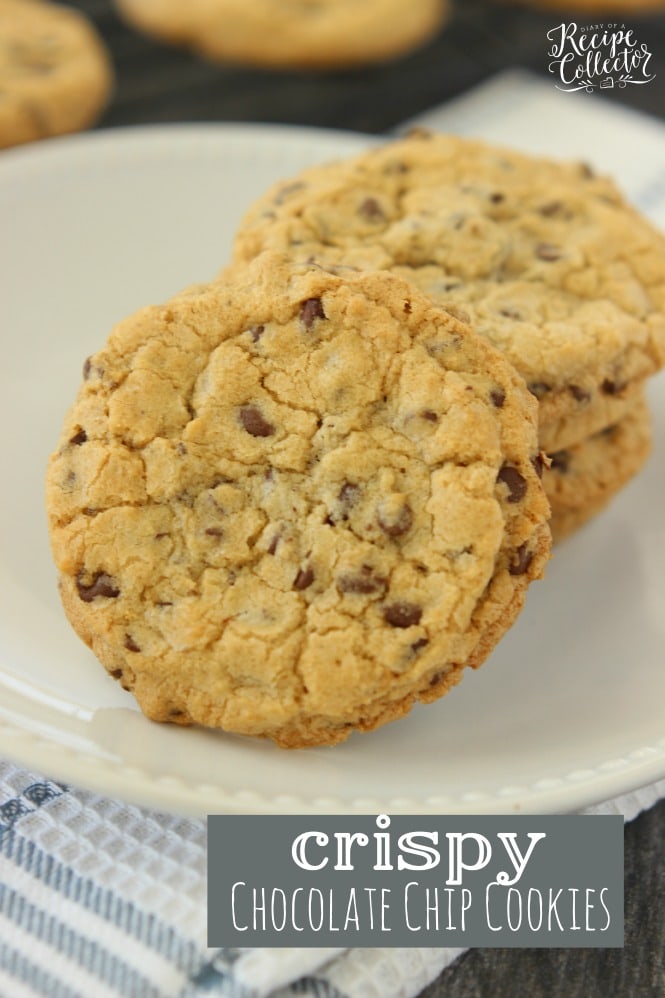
x=293, y=502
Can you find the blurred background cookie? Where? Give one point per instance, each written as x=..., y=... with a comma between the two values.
x=55, y=72
x=291, y=33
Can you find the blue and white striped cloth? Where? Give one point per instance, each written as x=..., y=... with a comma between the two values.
x=101, y=898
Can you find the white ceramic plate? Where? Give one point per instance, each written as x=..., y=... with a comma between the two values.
x=568, y=711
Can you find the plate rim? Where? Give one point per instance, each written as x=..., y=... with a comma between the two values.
x=156, y=132
x=172, y=794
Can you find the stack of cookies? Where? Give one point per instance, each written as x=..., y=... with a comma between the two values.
x=294, y=501
x=544, y=259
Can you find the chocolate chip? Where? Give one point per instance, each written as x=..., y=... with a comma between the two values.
x=497, y=397
x=254, y=422
x=516, y=483
x=214, y=532
x=548, y=252
x=348, y=497
x=371, y=210
x=402, y=614
x=396, y=166
x=551, y=208
x=436, y=679
x=176, y=712
x=288, y=190
x=398, y=526
x=560, y=461
x=407, y=307
x=87, y=368
x=420, y=643
x=610, y=387
x=40, y=67
x=365, y=582
x=497, y=197
x=349, y=493
x=304, y=578
x=430, y=416
x=272, y=547
x=130, y=644
x=116, y=673
x=579, y=394
x=310, y=311
x=101, y=585
x=521, y=561
x=256, y=332
x=510, y=313
x=538, y=463
x=79, y=438
x=538, y=388
x=181, y=449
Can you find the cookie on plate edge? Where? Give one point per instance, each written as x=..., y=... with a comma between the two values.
x=293, y=502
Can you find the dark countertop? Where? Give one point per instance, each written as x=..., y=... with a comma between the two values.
x=161, y=84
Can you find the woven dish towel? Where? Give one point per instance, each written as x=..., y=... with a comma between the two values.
x=102, y=898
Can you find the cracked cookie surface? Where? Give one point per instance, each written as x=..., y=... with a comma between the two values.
x=291, y=33
x=292, y=502
x=55, y=72
x=548, y=260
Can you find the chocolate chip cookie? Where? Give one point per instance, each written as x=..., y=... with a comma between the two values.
x=306, y=34
x=547, y=260
x=55, y=73
x=580, y=481
x=292, y=502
